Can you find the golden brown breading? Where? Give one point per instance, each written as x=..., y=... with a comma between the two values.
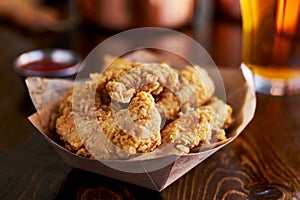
x=63, y=123
x=115, y=68
x=63, y=120
x=65, y=127
x=223, y=113
x=140, y=107
x=123, y=78
x=195, y=88
x=134, y=130
x=130, y=129
x=198, y=126
x=124, y=88
x=140, y=122
x=168, y=105
x=91, y=119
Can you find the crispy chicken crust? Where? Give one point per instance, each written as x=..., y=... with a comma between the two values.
x=205, y=124
x=195, y=88
x=123, y=89
x=135, y=107
x=168, y=105
x=133, y=130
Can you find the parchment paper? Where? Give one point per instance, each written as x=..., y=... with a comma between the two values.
x=47, y=93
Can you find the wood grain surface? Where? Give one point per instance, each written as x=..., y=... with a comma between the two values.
x=262, y=163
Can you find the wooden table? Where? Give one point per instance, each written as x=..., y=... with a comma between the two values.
x=262, y=163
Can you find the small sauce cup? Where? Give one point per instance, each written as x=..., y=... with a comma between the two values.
x=48, y=63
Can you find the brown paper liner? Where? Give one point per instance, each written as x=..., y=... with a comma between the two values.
x=46, y=93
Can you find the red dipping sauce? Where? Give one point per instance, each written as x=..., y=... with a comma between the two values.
x=48, y=63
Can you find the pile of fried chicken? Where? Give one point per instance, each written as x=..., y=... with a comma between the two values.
x=134, y=107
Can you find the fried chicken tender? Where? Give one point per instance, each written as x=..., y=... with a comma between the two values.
x=118, y=113
x=205, y=124
x=168, y=105
x=140, y=125
x=107, y=134
x=140, y=108
x=194, y=79
x=63, y=120
x=195, y=88
x=134, y=130
x=192, y=86
x=115, y=68
x=63, y=123
x=124, y=88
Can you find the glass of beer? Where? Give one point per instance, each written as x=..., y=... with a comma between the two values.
x=271, y=44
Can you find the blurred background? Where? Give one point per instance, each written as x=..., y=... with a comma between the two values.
x=215, y=24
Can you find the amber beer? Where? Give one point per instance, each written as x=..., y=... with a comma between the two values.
x=271, y=44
